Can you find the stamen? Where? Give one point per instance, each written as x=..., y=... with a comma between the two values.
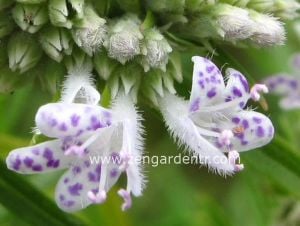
x=98, y=198
x=225, y=137
x=81, y=150
x=233, y=157
x=256, y=90
x=127, y=199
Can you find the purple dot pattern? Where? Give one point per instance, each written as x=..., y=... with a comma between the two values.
x=208, y=84
x=72, y=188
x=251, y=130
x=283, y=85
x=64, y=120
x=47, y=156
x=236, y=88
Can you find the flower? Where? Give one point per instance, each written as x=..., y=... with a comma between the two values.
x=286, y=86
x=213, y=122
x=82, y=131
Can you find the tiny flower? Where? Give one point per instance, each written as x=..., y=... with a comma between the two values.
x=124, y=38
x=287, y=87
x=23, y=52
x=30, y=18
x=83, y=132
x=214, y=121
x=56, y=42
x=156, y=50
x=90, y=32
x=267, y=30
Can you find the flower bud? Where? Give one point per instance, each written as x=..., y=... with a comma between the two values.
x=30, y=17
x=56, y=42
x=126, y=79
x=24, y=52
x=104, y=65
x=156, y=50
x=58, y=13
x=6, y=25
x=267, y=30
x=286, y=9
x=124, y=37
x=90, y=32
x=78, y=59
x=232, y=23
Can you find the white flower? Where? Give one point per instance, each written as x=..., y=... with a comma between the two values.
x=213, y=122
x=84, y=131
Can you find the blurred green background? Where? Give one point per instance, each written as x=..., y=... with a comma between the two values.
x=266, y=193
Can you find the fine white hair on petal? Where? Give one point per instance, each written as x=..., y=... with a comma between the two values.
x=125, y=112
x=79, y=87
x=183, y=129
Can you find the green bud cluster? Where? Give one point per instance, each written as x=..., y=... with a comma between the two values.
x=131, y=45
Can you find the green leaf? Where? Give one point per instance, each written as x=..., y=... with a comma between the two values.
x=26, y=202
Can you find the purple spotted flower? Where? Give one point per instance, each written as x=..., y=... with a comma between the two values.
x=95, y=144
x=213, y=124
x=287, y=87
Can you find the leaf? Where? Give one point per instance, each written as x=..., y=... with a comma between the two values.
x=26, y=202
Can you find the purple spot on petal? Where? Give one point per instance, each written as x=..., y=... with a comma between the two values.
x=66, y=180
x=114, y=172
x=257, y=120
x=63, y=127
x=195, y=105
x=35, y=151
x=235, y=120
x=209, y=69
x=75, y=120
x=48, y=154
x=76, y=170
x=260, y=132
x=237, y=92
x=28, y=162
x=75, y=189
x=211, y=93
x=37, y=168
x=245, y=124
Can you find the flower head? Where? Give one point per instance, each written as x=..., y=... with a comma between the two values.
x=95, y=144
x=90, y=32
x=213, y=122
x=156, y=50
x=124, y=37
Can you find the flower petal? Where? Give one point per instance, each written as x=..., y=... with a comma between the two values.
x=73, y=187
x=236, y=88
x=44, y=157
x=251, y=130
x=283, y=85
x=208, y=84
x=63, y=119
x=290, y=102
